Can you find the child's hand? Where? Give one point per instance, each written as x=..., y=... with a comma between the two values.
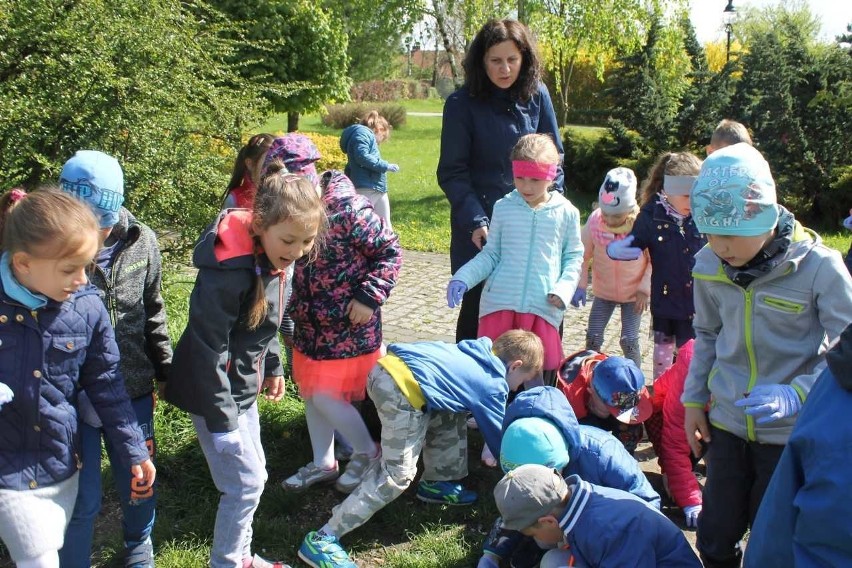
x=455, y=291
x=479, y=236
x=556, y=302
x=358, y=313
x=641, y=303
x=697, y=429
x=145, y=471
x=274, y=387
x=6, y=394
x=769, y=403
x=621, y=249
x=393, y=168
x=578, y=298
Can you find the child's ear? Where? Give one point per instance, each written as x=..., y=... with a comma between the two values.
x=515, y=365
x=21, y=262
x=548, y=521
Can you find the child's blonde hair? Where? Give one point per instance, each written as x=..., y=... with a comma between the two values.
x=668, y=164
x=45, y=224
x=729, y=132
x=282, y=196
x=520, y=345
x=375, y=122
x=536, y=148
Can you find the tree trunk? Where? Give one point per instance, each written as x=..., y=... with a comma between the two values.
x=448, y=48
x=292, y=121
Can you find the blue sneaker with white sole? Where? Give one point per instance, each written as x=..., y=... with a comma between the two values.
x=324, y=551
x=445, y=493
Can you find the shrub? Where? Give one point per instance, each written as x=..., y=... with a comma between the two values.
x=390, y=90
x=341, y=116
x=586, y=161
x=333, y=157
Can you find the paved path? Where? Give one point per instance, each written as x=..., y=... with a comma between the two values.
x=417, y=310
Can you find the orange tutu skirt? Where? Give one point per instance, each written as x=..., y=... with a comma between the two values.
x=343, y=379
x=495, y=324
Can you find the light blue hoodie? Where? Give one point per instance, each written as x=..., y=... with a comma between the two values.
x=365, y=168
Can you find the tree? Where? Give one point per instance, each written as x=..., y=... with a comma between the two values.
x=294, y=51
x=145, y=83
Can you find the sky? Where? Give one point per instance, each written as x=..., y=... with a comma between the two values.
x=707, y=16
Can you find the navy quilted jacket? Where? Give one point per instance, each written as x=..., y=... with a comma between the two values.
x=46, y=357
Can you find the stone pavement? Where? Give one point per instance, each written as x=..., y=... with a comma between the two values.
x=417, y=311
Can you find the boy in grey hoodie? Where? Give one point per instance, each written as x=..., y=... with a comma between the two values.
x=768, y=299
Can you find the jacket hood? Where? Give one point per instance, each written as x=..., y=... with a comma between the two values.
x=337, y=190
x=226, y=243
x=481, y=352
x=551, y=404
x=127, y=228
x=840, y=359
x=556, y=200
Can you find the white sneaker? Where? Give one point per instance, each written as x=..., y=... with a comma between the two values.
x=356, y=469
x=310, y=475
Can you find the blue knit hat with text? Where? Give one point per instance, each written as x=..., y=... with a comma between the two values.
x=97, y=179
x=735, y=193
x=533, y=440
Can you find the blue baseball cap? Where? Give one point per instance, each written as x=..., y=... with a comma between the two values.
x=97, y=179
x=533, y=440
x=621, y=386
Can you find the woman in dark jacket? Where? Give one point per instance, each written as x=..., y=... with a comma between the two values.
x=502, y=99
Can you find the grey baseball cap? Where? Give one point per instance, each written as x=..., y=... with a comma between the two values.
x=528, y=493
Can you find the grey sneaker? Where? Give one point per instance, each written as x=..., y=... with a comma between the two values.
x=355, y=471
x=310, y=475
x=139, y=554
x=259, y=562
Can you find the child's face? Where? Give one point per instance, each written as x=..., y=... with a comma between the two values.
x=534, y=191
x=596, y=404
x=516, y=375
x=613, y=220
x=381, y=133
x=737, y=250
x=546, y=530
x=680, y=203
x=288, y=241
x=56, y=278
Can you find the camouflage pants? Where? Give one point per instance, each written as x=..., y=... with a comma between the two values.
x=442, y=436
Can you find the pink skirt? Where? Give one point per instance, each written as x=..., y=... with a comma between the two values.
x=495, y=324
x=343, y=379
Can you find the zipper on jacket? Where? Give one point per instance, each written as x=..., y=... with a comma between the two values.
x=783, y=305
x=752, y=363
x=523, y=303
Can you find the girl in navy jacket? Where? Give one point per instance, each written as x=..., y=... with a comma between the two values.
x=55, y=340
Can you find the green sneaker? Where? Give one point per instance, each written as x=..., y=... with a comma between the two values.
x=324, y=551
x=445, y=492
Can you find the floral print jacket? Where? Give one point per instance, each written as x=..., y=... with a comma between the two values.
x=359, y=260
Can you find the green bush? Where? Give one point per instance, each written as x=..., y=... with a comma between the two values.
x=389, y=90
x=333, y=157
x=586, y=161
x=341, y=116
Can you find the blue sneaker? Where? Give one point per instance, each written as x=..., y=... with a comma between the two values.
x=324, y=551
x=445, y=492
x=139, y=554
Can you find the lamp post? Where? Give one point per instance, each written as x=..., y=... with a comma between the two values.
x=729, y=16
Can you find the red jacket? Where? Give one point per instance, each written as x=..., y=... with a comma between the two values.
x=674, y=449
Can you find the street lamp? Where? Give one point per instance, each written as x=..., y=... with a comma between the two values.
x=729, y=16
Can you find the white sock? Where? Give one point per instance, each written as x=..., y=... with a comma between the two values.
x=46, y=560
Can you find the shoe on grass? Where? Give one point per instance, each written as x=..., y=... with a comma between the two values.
x=310, y=475
x=258, y=562
x=445, y=492
x=139, y=554
x=355, y=471
x=324, y=551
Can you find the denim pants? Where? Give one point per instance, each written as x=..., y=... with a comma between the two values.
x=138, y=508
x=240, y=479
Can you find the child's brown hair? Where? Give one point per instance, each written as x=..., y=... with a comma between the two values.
x=520, y=345
x=284, y=196
x=536, y=148
x=729, y=132
x=253, y=150
x=45, y=224
x=668, y=164
x=376, y=122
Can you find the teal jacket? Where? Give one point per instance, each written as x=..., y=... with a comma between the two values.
x=775, y=331
x=530, y=253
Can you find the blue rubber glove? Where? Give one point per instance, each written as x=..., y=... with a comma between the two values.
x=6, y=394
x=621, y=249
x=393, y=168
x=229, y=443
x=769, y=403
x=691, y=513
x=455, y=291
x=579, y=297
x=847, y=222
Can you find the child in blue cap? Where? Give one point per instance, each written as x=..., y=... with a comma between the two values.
x=769, y=297
x=128, y=272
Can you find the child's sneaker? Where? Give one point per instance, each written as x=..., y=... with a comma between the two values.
x=310, y=475
x=355, y=471
x=324, y=551
x=258, y=562
x=445, y=492
x=139, y=554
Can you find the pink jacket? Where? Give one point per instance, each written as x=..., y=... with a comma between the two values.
x=613, y=280
x=674, y=449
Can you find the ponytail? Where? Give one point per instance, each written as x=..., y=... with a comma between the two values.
x=7, y=201
x=259, y=306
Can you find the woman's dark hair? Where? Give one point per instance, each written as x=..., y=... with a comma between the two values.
x=254, y=150
x=492, y=33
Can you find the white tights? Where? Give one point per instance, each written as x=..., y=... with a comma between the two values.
x=324, y=415
x=46, y=560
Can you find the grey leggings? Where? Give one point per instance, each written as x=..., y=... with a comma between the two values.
x=599, y=317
